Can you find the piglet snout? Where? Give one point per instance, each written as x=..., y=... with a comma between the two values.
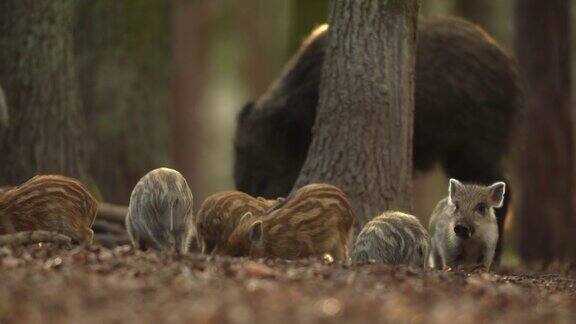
x=463, y=231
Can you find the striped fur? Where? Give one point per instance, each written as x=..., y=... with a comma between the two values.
x=4, y=190
x=220, y=214
x=51, y=203
x=314, y=220
x=160, y=212
x=392, y=238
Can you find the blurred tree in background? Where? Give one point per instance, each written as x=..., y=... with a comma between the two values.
x=37, y=73
x=306, y=15
x=547, y=167
x=191, y=26
x=122, y=50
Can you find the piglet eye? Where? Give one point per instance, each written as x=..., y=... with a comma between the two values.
x=481, y=208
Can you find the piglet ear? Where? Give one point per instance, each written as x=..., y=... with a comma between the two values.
x=496, y=194
x=245, y=217
x=453, y=188
x=255, y=232
x=245, y=112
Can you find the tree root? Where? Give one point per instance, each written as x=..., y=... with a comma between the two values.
x=105, y=226
x=111, y=240
x=33, y=237
x=112, y=213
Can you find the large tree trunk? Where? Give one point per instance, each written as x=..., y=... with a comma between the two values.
x=546, y=167
x=362, y=137
x=123, y=57
x=190, y=53
x=37, y=74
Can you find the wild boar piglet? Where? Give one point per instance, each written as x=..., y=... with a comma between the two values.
x=392, y=238
x=315, y=220
x=463, y=226
x=160, y=212
x=52, y=203
x=219, y=216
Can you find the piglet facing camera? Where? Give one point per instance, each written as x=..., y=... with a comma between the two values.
x=463, y=226
x=160, y=212
x=51, y=203
x=393, y=238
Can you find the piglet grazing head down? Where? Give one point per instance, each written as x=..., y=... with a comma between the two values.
x=160, y=212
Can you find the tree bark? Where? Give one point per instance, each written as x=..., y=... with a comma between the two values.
x=362, y=137
x=189, y=77
x=4, y=117
x=123, y=60
x=547, y=223
x=38, y=76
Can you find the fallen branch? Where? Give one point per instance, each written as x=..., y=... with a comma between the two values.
x=110, y=240
x=113, y=213
x=33, y=237
x=104, y=226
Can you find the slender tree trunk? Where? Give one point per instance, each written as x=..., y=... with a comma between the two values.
x=306, y=15
x=262, y=26
x=362, y=138
x=190, y=39
x=546, y=167
x=4, y=116
x=257, y=63
x=480, y=12
x=37, y=74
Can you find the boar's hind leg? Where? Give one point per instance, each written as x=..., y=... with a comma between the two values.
x=482, y=168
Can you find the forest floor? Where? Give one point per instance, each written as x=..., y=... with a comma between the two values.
x=46, y=283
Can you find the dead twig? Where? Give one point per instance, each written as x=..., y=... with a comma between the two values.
x=113, y=213
x=111, y=240
x=33, y=237
x=104, y=226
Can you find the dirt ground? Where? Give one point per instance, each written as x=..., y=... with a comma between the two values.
x=46, y=283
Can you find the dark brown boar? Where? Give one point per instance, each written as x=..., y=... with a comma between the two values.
x=468, y=97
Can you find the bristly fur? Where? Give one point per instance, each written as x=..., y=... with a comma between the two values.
x=160, y=212
x=316, y=219
x=51, y=203
x=220, y=214
x=468, y=97
x=468, y=206
x=392, y=238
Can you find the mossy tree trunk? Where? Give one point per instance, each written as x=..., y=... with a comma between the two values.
x=546, y=210
x=37, y=73
x=362, y=137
